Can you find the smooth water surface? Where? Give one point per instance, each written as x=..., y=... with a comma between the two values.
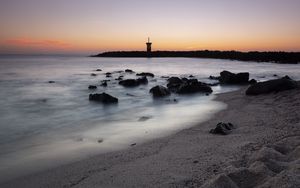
x=44, y=124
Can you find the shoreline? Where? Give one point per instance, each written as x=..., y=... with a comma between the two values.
x=192, y=157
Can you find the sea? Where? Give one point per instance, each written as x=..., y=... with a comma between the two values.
x=44, y=125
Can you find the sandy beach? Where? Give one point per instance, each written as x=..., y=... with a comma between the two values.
x=263, y=151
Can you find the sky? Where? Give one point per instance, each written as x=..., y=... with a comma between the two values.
x=92, y=26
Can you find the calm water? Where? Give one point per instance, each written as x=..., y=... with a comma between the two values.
x=52, y=124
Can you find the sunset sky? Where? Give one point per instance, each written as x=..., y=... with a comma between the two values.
x=92, y=26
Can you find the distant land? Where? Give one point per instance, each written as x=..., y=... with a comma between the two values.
x=274, y=57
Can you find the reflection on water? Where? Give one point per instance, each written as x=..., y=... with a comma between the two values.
x=54, y=123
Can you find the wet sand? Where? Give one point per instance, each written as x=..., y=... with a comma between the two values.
x=263, y=151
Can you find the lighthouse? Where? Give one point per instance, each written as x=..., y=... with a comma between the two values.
x=148, y=44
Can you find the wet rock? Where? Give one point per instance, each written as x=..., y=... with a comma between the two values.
x=159, y=91
x=108, y=74
x=129, y=71
x=174, y=83
x=134, y=144
x=103, y=97
x=145, y=74
x=103, y=84
x=191, y=76
x=252, y=81
x=222, y=128
x=120, y=71
x=93, y=74
x=92, y=87
x=133, y=82
x=119, y=78
x=129, y=83
x=275, y=75
x=193, y=86
x=214, y=77
x=51, y=82
x=142, y=80
x=100, y=140
x=144, y=118
x=270, y=86
x=227, y=77
x=98, y=70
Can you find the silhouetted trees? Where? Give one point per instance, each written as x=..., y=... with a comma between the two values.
x=276, y=57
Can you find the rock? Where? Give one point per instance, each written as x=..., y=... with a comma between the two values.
x=252, y=81
x=93, y=74
x=129, y=71
x=159, y=91
x=133, y=82
x=129, y=83
x=145, y=74
x=227, y=77
x=51, y=82
x=222, y=128
x=108, y=74
x=103, y=97
x=119, y=78
x=142, y=80
x=193, y=86
x=214, y=77
x=103, y=84
x=276, y=85
x=120, y=71
x=191, y=76
x=144, y=118
x=98, y=70
x=174, y=83
x=275, y=75
x=92, y=87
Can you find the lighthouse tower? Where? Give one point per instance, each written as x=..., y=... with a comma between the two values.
x=149, y=46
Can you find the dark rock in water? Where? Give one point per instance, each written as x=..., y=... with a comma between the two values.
x=129, y=83
x=93, y=74
x=165, y=76
x=275, y=75
x=129, y=94
x=108, y=74
x=231, y=78
x=103, y=84
x=193, y=86
x=145, y=74
x=51, y=82
x=174, y=80
x=134, y=144
x=120, y=71
x=174, y=83
x=92, y=87
x=222, y=128
x=129, y=71
x=119, y=78
x=252, y=81
x=184, y=79
x=159, y=91
x=133, y=82
x=100, y=140
x=103, y=97
x=214, y=77
x=142, y=80
x=276, y=85
x=98, y=70
x=144, y=118
x=191, y=76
